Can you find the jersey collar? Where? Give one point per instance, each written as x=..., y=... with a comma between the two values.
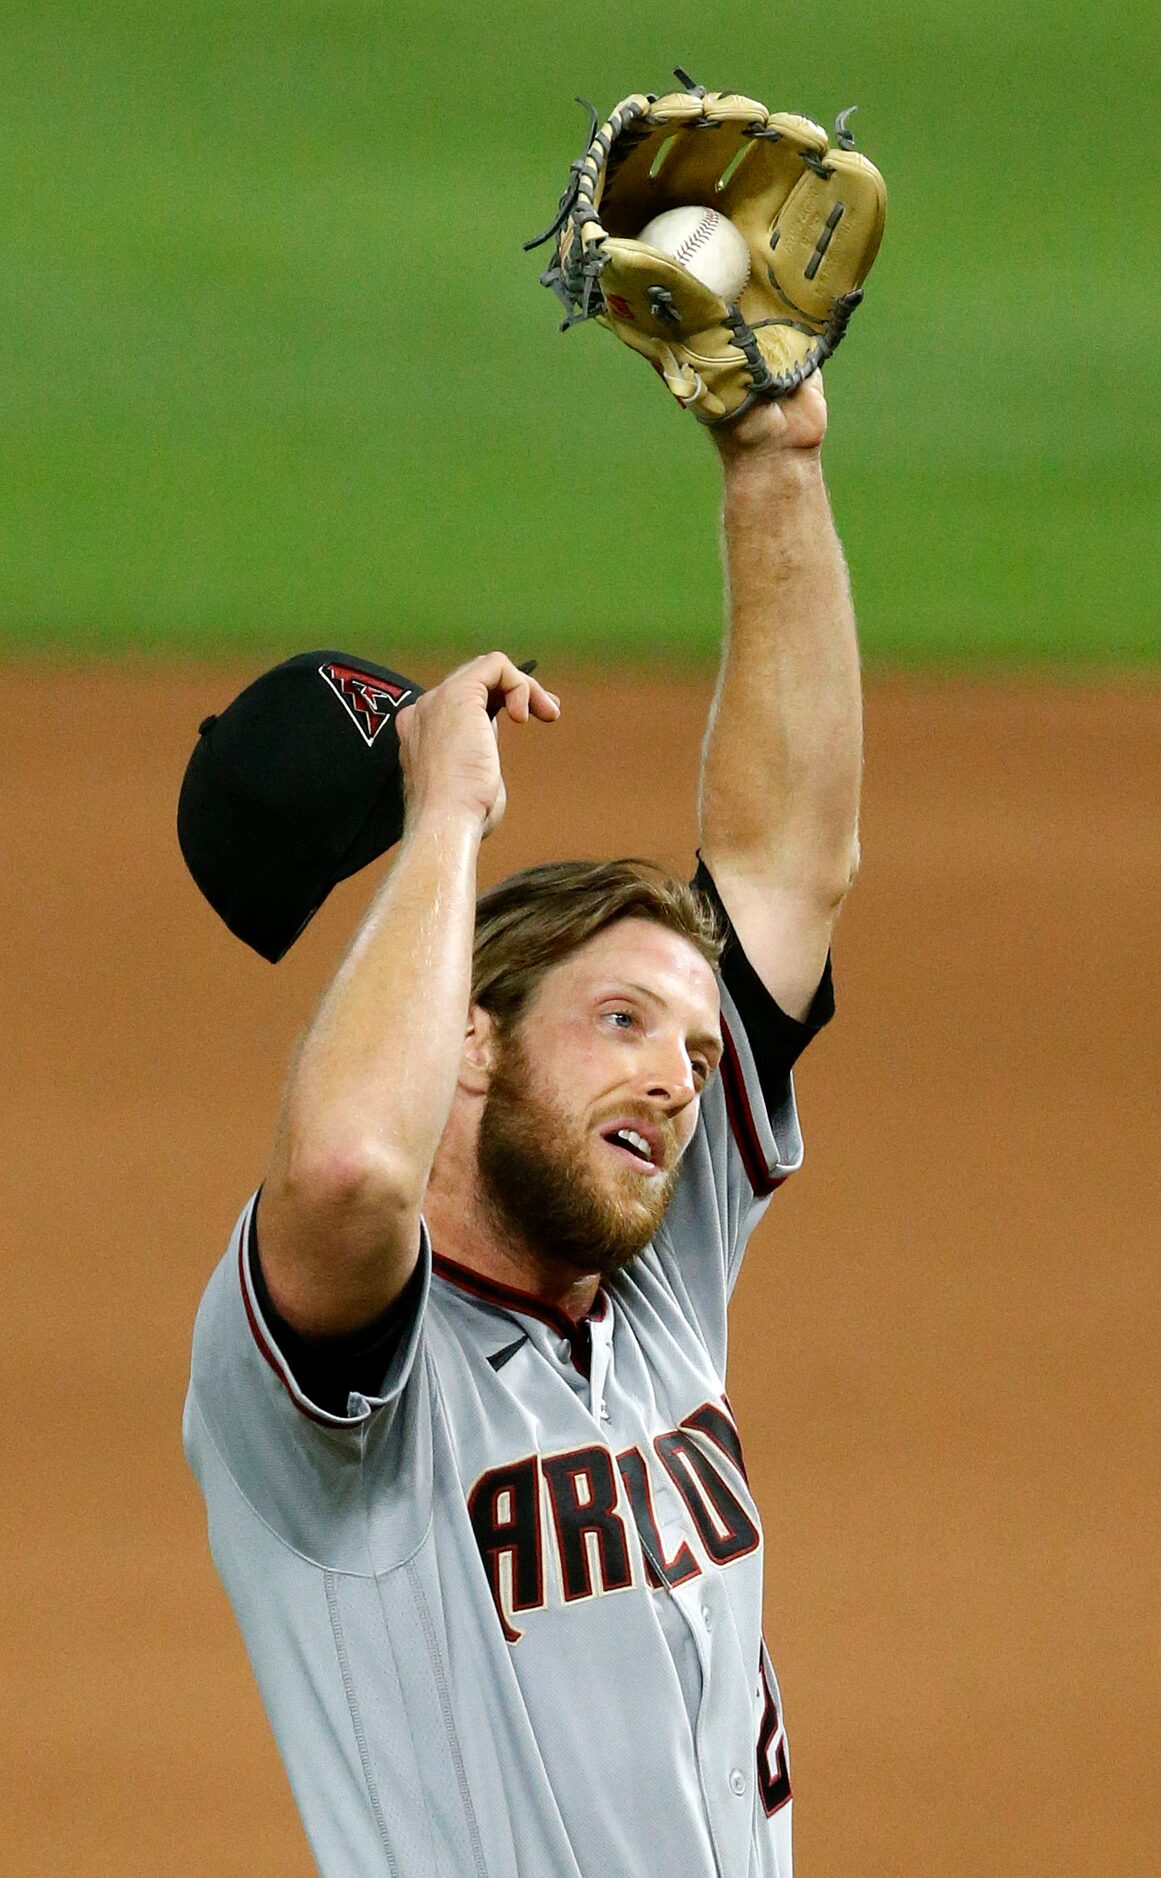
x=527, y=1304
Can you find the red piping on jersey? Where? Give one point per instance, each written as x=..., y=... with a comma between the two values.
x=742, y=1123
x=508, y=1298
x=267, y=1350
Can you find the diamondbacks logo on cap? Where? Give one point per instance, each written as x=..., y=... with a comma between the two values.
x=369, y=701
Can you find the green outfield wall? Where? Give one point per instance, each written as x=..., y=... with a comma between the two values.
x=275, y=371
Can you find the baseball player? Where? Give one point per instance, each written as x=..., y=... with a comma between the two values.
x=458, y=1397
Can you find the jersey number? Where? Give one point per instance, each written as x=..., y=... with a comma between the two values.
x=773, y=1768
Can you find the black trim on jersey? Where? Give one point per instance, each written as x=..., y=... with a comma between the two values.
x=740, y=1115
x=327, y=1369
x=776, y=1041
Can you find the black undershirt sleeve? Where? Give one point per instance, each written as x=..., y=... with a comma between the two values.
x=327, y=1369
x=776, y=1040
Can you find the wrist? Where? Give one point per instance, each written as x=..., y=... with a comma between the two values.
x=772, y=471
x=445, y=821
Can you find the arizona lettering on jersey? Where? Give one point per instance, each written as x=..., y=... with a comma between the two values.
x=505, y=1612
x=588, y=1499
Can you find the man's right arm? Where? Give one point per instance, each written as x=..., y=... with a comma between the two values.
x=372, y=1086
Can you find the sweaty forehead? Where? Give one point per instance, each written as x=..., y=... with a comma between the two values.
x=642, y=956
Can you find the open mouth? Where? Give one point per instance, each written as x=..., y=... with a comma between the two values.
x=633, y=1147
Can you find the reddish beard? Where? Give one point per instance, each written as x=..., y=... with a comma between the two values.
x=537, y=1173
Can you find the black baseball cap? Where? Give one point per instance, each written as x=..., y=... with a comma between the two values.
x=295, y=786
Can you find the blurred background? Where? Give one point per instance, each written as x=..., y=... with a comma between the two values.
x=269, y=332
x=274, y=373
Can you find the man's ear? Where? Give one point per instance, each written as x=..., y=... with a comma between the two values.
x=479, y=1051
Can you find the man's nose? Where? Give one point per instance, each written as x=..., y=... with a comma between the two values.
x=671, y=1079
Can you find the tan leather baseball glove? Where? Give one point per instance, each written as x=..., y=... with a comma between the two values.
x=810, y=214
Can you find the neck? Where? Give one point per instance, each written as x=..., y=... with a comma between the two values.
x=464, y=1228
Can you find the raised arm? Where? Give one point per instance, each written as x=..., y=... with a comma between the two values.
x=781, y=768
x=370, y=1092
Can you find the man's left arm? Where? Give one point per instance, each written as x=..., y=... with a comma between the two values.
x=781, y=767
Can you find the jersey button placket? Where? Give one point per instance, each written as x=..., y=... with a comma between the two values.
x=738, y=1782
x=600, y=1366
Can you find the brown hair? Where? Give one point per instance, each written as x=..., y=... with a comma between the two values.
x=530, y=922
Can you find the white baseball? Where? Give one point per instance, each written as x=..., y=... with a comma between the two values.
x=707, y=245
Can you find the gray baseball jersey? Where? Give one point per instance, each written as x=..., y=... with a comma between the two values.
x=505, y=1611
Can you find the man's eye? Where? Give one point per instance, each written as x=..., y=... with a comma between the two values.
x=623, y=1019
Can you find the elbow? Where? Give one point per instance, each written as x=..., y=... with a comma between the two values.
x=834, y=886
x=351, y=1180
x=816, y=871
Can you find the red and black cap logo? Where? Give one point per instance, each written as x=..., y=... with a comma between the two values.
x=370, y=701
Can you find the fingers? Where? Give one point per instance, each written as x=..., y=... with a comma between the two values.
x=545, y=704
x=539, y=696
x=509, y=690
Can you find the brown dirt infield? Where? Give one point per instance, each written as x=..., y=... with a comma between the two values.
x=945, y=1342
